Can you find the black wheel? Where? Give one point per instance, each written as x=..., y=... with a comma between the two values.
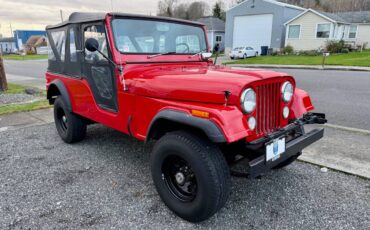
x=190, y=175
x=232, y=57
x=71, y=128
x=286, y=163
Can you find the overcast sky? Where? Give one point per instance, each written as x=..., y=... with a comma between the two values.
x=36, y=14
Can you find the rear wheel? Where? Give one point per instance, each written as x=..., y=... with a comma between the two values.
x=71, y=127
x=191, y=175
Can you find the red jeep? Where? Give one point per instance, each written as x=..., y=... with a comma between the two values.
x=152, y=78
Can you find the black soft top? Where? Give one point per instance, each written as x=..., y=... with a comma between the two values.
x=82, y=17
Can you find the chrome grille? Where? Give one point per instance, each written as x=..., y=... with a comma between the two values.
x=268, y=107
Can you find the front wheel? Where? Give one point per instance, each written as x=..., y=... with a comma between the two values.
x=190, y=175
x=71, y=127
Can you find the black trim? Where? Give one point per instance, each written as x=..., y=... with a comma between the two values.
x=160, y=62
x=293, y=148
x=63, y=93
x=207, y=126
x=81, y=17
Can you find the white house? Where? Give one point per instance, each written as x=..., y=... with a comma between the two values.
x=311, y=29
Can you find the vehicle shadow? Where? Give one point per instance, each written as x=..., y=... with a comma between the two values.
x=279, y=198
x=104, y=182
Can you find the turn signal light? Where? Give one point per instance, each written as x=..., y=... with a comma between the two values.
x=198, y=113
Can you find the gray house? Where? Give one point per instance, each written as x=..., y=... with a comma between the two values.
x=257, y=23
x=7, y=45
x=215, y=31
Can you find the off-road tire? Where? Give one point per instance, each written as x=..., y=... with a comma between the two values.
x=286, y=162
x=71, y=127
x=209, y=167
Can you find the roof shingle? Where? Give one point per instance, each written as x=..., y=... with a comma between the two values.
x=213, y=23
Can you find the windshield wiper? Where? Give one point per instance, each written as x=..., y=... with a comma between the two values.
x=160, y=54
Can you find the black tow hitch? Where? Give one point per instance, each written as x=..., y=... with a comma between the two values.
x=314, y=118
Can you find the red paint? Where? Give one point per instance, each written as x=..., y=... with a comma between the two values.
x=182, y=83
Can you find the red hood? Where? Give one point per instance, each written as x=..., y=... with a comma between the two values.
x=193, y=82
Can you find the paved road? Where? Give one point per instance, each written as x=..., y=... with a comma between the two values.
x=30, y=73
x=104, y=182
x=343, y=95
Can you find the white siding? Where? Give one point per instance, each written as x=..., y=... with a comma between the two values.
x=308, y=40
x=363, y=34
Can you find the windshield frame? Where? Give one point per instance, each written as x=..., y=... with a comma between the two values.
x=157, y=20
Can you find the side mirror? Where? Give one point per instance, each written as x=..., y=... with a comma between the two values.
x=92, y=44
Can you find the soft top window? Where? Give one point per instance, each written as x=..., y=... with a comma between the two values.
x=59, y=38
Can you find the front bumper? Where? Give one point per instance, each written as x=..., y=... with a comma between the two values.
x=297, y=141
x=293, y=148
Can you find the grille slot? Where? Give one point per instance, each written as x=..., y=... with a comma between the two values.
x=268, y=107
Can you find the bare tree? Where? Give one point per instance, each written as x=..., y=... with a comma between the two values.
x=3, y=83
x=192, y=11
x=181, y=11
x=165, y=8
x=197, y=10
x=332, y=5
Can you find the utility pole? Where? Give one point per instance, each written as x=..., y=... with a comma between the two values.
x=11, y=29
x=61, y=15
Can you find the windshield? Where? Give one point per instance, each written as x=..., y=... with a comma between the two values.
x=138, y=36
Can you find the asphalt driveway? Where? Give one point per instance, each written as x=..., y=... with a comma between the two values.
x=104, y=182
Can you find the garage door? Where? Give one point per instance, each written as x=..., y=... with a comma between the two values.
x=254, y=31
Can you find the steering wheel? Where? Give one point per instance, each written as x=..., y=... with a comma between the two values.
x=187, y=49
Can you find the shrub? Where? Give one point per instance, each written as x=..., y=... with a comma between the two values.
x=288, y=49
x=345, y=51
x=310, y=53
x=334, y=46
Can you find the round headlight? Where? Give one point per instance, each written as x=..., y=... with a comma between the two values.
x=252, y=123
x=285, y=112
x=248, y=100
x=287, y=91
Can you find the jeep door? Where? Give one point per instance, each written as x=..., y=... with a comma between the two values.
x=98, y=71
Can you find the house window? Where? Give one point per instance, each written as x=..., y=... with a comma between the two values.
x=323, y=30
x=352, y=31
x=218, y=38
x=294, y=31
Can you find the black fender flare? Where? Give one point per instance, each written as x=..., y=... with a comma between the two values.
x=209, y=128
x=63, y=93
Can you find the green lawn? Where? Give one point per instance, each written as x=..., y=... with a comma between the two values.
x=25, y=57
x=14, y=89
x=350, y=59
x=6, y=109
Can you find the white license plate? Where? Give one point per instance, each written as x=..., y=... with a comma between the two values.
x=275, y=149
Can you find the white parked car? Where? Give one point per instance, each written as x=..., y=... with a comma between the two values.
x=243, y=52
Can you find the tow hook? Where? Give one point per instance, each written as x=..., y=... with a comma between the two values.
x=314, y=118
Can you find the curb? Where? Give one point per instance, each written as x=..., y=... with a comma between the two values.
x=341, y=68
